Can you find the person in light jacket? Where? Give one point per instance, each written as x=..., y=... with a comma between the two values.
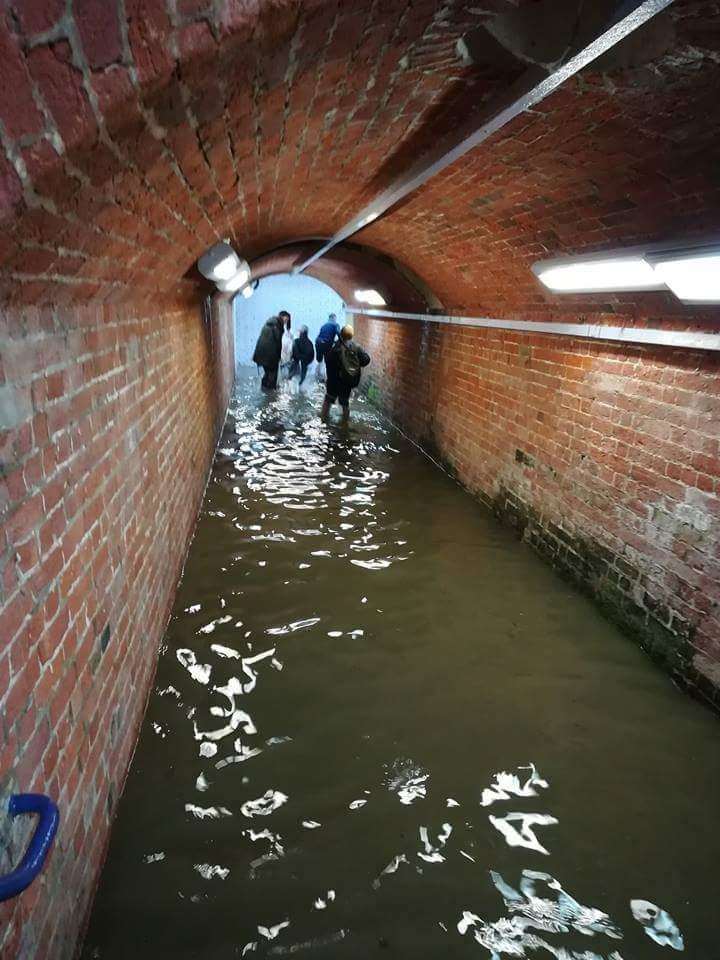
x=287, y=343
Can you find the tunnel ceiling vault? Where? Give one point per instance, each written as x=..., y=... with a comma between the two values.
x=138, y=134
x=350, y=267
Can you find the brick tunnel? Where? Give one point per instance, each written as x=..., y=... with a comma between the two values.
x=136, y=135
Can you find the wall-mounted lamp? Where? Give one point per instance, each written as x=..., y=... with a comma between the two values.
x=220, y=262
x=223, y=266
x=692, y=274
x=692, y=277
x=236, y=281
x=371, y=297
x=592, y=276
x=249, y=289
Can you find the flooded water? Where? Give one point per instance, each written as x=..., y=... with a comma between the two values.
x=383, y=727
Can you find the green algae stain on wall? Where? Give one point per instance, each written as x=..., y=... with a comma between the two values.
x=373, y=393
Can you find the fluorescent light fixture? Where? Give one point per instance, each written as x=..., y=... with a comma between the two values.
x=369, y=219
x=590, y=276
x=238, y=279
x=693, y=277
x=370, y=296
x=692, y=272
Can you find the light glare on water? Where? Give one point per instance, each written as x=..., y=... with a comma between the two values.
x=381, y=726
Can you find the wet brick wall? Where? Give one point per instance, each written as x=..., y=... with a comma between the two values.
x=605, y=458
x=109, y=421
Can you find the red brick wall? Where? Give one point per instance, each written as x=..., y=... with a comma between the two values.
x=605, y=457
x=110, y=419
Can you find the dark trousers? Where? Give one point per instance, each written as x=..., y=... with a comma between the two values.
x=269, y=380
x=302, y=366
x=322, y=349
x=334, y=390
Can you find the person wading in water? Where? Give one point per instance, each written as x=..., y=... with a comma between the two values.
x=267, y=351
x=287, y=344
x=344, y=363
x=302, y=355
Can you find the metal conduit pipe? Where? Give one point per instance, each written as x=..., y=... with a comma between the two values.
x=682, y=339
x=433, y=164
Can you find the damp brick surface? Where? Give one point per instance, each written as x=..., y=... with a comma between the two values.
x=113, y=418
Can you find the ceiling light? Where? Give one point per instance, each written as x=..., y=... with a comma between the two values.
x=369, y=219
x=593, y=275
x=219, y=263
x=370, y=296
x=226, y=268
x=690, y=276
x=236, y=280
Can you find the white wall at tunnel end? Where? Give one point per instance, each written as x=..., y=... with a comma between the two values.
x=308, y=300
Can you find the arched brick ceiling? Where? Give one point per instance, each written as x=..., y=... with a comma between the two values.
x=137, y=134
x=348, y=268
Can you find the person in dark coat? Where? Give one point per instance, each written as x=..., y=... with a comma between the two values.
x=326, y=337
x=302, y=355
x=267, y=351
x=344, y=363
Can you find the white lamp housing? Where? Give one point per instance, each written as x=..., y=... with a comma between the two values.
x=692, y=277
x=692, y=273
x=219, y=263
x=597, y=275
x=371, y=297
x=236, y=280
x=247, y=291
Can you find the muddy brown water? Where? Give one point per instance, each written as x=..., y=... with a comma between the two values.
x=382, y=727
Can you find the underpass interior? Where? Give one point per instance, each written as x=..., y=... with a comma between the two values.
x=309, y=301
x=460, y=732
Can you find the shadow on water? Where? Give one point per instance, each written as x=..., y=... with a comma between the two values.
x=381, y=726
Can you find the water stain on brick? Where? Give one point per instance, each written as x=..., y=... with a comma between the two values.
x=524, y=458
x=610, y=580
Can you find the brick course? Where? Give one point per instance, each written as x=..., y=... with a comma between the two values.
x=111, y=416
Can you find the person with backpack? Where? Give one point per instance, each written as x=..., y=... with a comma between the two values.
x=302, y=355
x=267, y=351
x=344, y=363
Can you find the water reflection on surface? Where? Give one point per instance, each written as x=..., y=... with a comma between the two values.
x=381, y=726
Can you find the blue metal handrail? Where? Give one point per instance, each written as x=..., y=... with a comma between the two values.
x=32, y=863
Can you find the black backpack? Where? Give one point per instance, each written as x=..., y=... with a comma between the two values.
x=348, y=364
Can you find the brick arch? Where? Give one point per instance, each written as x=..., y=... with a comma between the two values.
x=132, y=143
x=350, y=267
